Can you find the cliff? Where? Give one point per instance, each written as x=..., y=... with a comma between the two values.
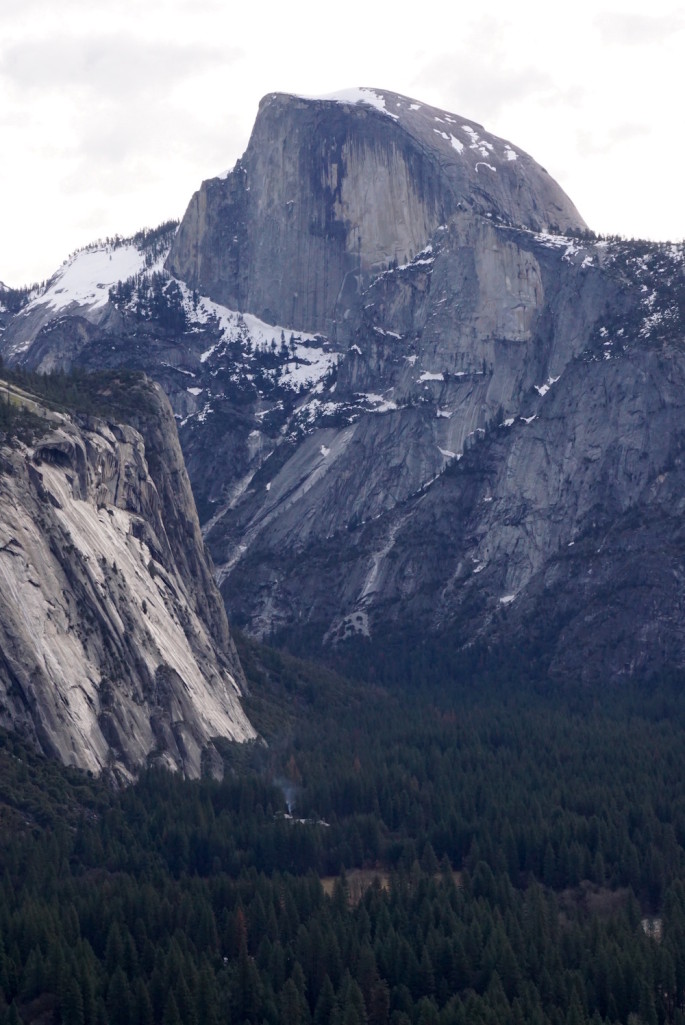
x=330, y=192
x=114, y=646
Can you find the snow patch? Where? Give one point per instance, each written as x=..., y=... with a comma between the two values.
x=358, y=95
x=390, y=334
x=234, y=323
x=424, y=258
x=542, y=389
x=87, y=276
x=481, y=146
x=556, y=241
x=308, y=359
x=380, y=404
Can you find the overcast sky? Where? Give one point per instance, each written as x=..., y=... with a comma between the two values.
x=112, y=114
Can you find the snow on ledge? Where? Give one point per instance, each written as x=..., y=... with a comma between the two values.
x=379, y=402
x=354, y=96
x=542, y=389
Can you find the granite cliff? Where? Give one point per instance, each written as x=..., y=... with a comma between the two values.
x=413, y=390
x=331, y=192
x=114, y=646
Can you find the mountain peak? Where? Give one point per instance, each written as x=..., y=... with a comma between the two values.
x=336, y=190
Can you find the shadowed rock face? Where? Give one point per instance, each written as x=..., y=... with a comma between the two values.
x=331, y=192
x=502, y=446
x=114, y=646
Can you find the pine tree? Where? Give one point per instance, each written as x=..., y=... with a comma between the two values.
x=143, y=1004
x=71, y=1004
x=291, y=1011
x=171, y=1015
x=119, y=1003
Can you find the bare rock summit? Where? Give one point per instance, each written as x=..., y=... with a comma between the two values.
x=330, y=192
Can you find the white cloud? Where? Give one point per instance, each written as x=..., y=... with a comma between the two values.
x=114, y=66
x=604, y=140
x=617, y=28
x=484, y=84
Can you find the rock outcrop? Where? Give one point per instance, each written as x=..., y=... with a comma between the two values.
x=331, y=192
x=114, y=646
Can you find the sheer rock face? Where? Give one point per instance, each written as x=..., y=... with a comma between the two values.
x=331, y=192
x=114, y=646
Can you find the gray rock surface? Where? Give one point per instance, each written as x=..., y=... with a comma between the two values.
x=331, y=192
x=511, y=406
x=114, y=646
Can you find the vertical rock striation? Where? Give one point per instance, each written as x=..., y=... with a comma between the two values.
x=330, y=192
x=114, y=646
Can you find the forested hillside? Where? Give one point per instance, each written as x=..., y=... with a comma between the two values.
x=528, y=854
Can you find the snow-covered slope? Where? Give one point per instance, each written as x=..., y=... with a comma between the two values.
x=87, y=276
x=86, y=287
x=82, y=284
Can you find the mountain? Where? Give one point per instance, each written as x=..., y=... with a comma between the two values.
x=114, y=646
x=331, y=192
x=415, y=394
